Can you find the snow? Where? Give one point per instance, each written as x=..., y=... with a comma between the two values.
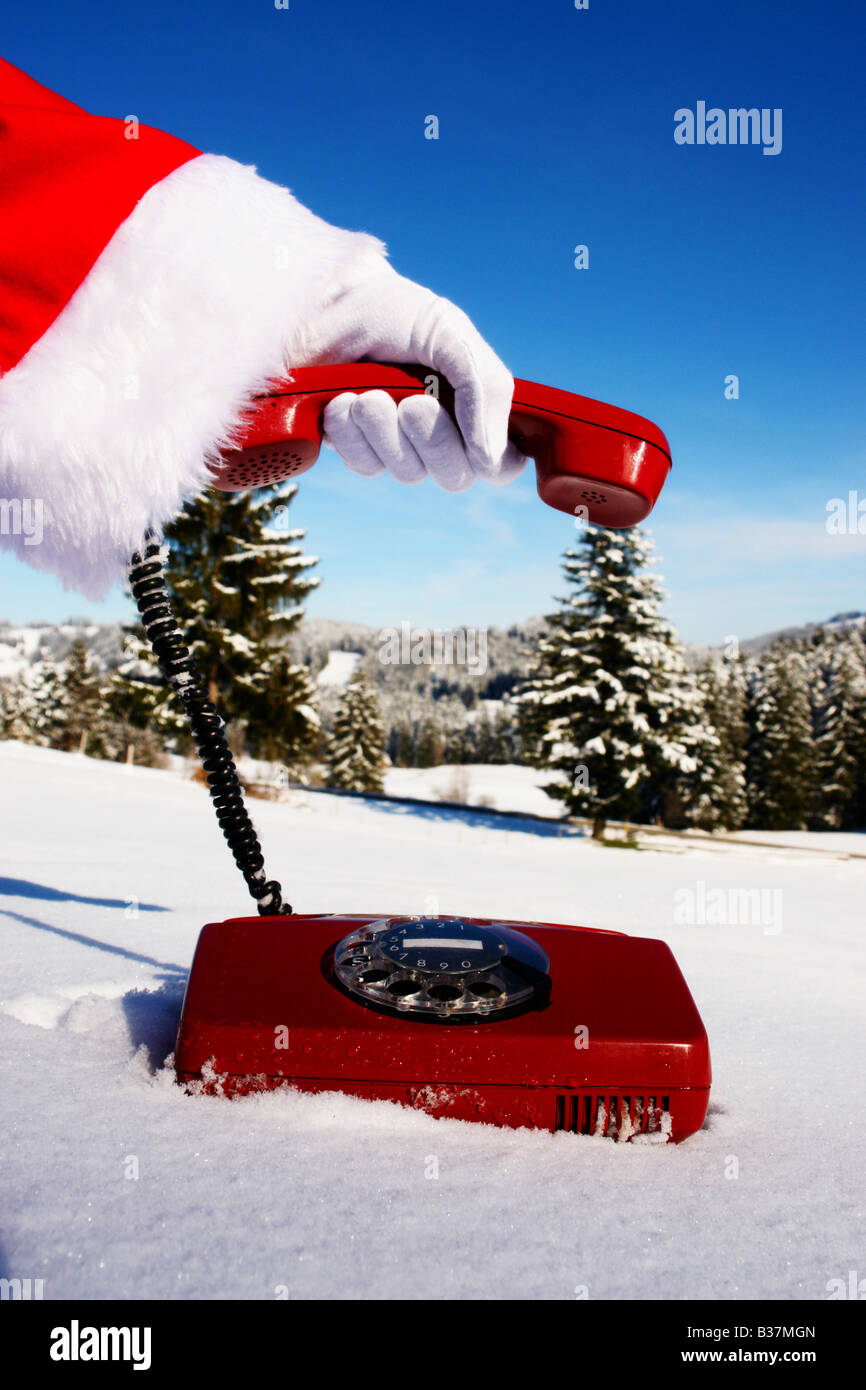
x=12, y=663
x=113, y=1183
x=18, y=648
x=340, y=668
x=503, y=787
x=239, y=643
x=510, y=787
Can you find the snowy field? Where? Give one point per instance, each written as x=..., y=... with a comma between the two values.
x=108, y=872
x=503, y=788
x=515, y=788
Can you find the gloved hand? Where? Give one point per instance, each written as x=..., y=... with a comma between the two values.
x=384, y=317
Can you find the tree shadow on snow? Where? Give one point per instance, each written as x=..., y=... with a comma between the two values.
x=23, y=888
x=106, y=946
x=476, y=818
x=151, y=1015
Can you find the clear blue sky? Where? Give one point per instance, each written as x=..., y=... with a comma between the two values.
x=556, y=128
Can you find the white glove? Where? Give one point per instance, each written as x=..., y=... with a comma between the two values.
x=386, y=318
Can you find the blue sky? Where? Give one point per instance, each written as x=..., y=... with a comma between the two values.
x=556, y=128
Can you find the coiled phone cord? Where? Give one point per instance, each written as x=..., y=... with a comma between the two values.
x=149, y=589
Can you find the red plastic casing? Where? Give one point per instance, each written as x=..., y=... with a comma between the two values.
x=620, y=1049
x=592, y=460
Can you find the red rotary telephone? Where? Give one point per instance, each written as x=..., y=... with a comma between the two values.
x=592, y=460
x=521, y=1024
x=513, y=1023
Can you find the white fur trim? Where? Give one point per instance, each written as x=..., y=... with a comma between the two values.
x=202, y=296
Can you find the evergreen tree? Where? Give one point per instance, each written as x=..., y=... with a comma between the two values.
x=482, y=731
x=81, y=712
x=281, y=719
x=429, y=745
x=456, y=750
x=355, y=752
x=237, y=578
x=41, y=704
x=142, y=718
x=610, y=702
x=403, y=744
x=502, y=738
x=716, y=798
x=839, y=798
x=781, y=750
x=63, y=705
x=14, y=723
x=140, y=701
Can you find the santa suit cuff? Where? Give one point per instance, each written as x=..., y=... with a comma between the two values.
x=115, y=415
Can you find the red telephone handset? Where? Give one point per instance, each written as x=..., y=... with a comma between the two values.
x=592, y=460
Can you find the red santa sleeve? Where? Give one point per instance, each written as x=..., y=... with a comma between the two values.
x=147, y=292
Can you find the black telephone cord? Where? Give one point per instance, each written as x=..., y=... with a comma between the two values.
x=149, y=589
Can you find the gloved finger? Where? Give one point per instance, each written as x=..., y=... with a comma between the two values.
x=509, y=467
x=382, y=316
x=376, y=415
x=347, y=437
x=437, y=441
x=483, y=388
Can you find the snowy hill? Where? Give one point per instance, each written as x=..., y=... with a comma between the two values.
x=340, y=668
x=317, y=639
x=322, y=644
x=21, y=647
x=115, y=1184
x=840, y=623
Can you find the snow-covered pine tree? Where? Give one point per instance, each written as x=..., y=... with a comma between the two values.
x=82, y=705
x=457, y=748
x=781, y=749
x=355, y=754
x=610, y=702
x=403, y=743
x=716, y=798
x=504, y=737
x=62, y=704
x=429, y=746
x=839, y=798
x=482, y=737
x=238, y=577
x=40, y=709
x=14, y=723
x=141, y=702
x=143, y=716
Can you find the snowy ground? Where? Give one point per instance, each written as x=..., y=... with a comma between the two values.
x=106, y=874
x=514, y=788
x=505, y=788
